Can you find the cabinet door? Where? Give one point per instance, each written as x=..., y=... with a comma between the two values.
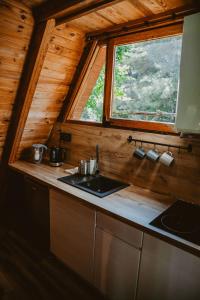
x=188, y=110
x=167, y=272
x=72, y=233
x=116, y=266
x=37, y=213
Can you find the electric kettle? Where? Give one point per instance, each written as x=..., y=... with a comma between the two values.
x=56, y=156
x=37, y=151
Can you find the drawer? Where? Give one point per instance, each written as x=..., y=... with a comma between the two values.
x=120, y=229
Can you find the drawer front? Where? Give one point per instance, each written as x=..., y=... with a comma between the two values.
x=120, y=229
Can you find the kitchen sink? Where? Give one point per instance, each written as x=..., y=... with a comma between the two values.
x=98, y=185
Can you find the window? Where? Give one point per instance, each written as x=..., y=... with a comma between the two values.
x=89, y=101
x=136, y=84
x=146, y=80
x=93, y=110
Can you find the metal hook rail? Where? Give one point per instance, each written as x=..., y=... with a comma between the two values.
x=188, y=148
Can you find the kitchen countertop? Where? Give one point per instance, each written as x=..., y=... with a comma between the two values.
x=133, y=205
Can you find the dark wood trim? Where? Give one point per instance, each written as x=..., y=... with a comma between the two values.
x=30, y=75
x=52, y=9
x=108, y=82
x=65, y=11
x=155, y=21
x=86, y=60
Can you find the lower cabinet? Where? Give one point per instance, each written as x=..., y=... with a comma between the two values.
x=29, y=216
x=121, y=261
x=167, y=272
x=117, y=257
x=37, y=213
x=72, y=227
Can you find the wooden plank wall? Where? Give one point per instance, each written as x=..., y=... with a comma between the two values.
x=116, y=159
x=62, y=58
x=16, y=25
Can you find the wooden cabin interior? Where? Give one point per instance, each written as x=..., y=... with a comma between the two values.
x=100, y=149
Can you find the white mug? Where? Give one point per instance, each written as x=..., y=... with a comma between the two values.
x=166, y=158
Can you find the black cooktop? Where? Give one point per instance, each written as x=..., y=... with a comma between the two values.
x=181, y=219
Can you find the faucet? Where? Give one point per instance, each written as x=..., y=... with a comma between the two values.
x=97, y=159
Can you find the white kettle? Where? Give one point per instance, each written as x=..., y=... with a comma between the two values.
x=37, y=152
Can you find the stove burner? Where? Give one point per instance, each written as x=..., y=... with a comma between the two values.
x=180, y=224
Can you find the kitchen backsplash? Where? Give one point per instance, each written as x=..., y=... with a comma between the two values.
x=181, y=180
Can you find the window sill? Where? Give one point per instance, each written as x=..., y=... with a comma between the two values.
x=144, y=126
x=153, y=127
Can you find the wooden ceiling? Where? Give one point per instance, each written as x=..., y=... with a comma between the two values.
x=65, y=48
x=125, y=11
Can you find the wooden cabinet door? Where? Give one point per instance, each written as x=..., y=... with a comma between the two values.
x=37, y=213
x=116, y=266
x=167, y=272
x=72, y=227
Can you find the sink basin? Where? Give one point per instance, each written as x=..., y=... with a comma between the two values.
x=100, y=186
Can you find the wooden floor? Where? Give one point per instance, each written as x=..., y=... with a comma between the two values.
x=27, y=274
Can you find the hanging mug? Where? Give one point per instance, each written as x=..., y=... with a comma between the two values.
x=153, y=155
x=166, y=158
x=139, y=153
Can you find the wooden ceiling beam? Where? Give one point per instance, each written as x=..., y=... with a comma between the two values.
x=53, y=9
x=169, y=17
x=65, y=11
x=30, y=75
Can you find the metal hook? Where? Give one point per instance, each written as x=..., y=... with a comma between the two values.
x=179, y=149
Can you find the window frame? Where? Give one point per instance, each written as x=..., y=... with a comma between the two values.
x=141, y=35
x=152, y=34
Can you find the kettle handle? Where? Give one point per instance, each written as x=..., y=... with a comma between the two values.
x=64, y=154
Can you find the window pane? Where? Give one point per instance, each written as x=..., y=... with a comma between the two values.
x=89, y=101
x=146, y=78
x=93, y=110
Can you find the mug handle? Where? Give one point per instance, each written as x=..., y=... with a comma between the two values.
x=170, y=153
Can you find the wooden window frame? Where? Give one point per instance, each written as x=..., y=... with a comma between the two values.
x=162, y=32
x=140, y=36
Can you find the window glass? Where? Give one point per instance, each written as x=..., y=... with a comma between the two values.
x=93, y=110
x=146, y=78
x=89, y=102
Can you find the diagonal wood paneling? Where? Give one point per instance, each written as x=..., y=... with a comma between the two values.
x=16, y=25
x=62, y=58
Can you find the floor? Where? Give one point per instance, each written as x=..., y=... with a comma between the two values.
x=26, y=274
